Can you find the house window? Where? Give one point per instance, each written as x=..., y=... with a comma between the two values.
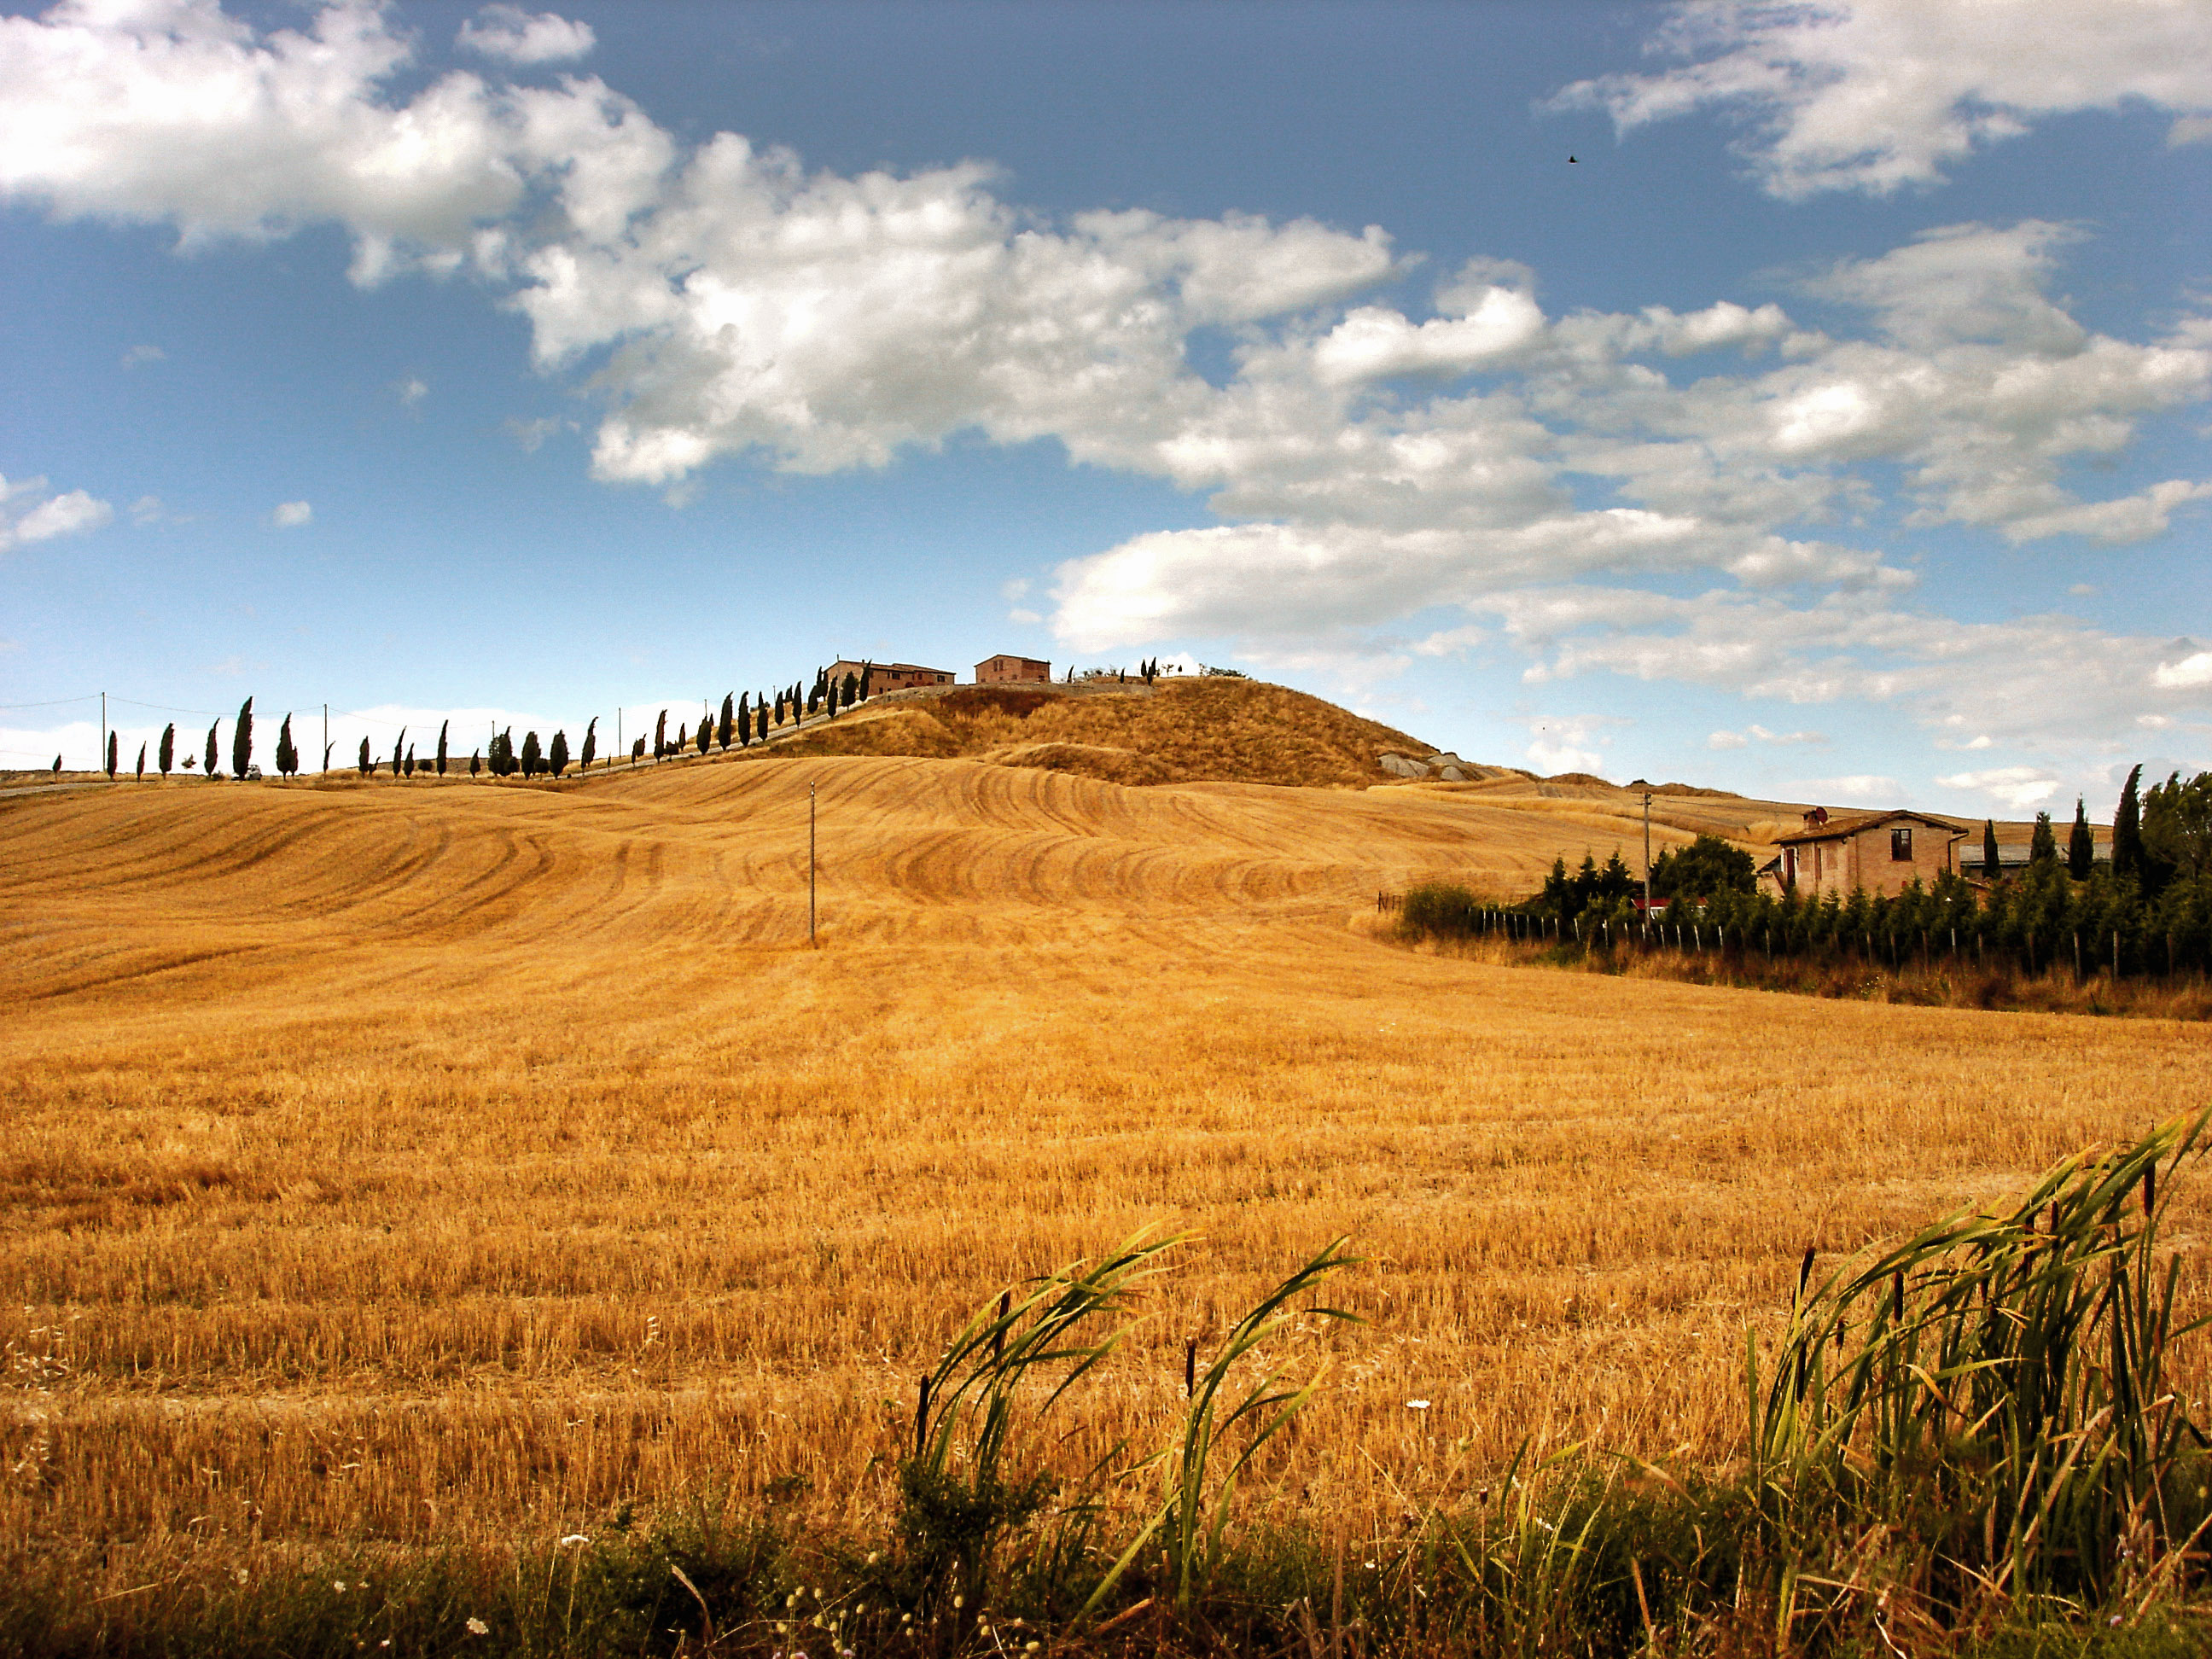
x=1900, y=845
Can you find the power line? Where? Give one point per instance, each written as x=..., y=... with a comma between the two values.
x=89, y=696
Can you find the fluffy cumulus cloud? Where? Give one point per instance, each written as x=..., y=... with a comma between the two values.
x=512, y=35
x=290, y=515
x=1877, y=95
x=1657, y=494
x=32, y=512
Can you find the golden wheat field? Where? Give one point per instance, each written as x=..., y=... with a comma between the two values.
x=449, y=1162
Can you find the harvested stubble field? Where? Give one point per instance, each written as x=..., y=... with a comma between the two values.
x=459, y=1164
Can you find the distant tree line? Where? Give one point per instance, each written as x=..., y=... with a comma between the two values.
x=2148, y=910
x=744, y=720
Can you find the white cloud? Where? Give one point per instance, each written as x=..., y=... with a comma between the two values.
x=1855, y=788
x=29, y=513
x=514, y=36
x=1878, y=95
x=1760, y=734
x=2191, y=673
x=290, y=515
x=411, y=390
x=143, y=354
x=1018, y=615
x=2017, y=788
x=1569, y=743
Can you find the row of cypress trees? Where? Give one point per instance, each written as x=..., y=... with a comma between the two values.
x=745, y=719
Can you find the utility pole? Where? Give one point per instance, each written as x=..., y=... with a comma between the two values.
x=1647, y=855
x=810, y=864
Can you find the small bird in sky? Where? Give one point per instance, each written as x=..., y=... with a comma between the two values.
x=1571, y=161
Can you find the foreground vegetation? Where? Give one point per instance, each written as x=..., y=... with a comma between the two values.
x=1975, y=1436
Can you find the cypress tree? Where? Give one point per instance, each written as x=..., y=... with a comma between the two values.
x=476, y=761
x=241, y=740
x=727, y=727
x=742, y=721
x=398, y=750
x=287, y=757
x=779, y=705
x=110, y=756
x=57, y=766
x=168, y=747
x=2127, y=828
x=442, y=725
x=637, y=751
x=591, y=745
x=365, y=762
x=1991, y=868
x=706, y=735
x=2043, y=849
x=851, y=692
x=661, y=735
x=867, y=675
x=558, y=761
x=759, y=716
x=533, y=755
x=410, y=761
x=2081, y=849
x=142, y=762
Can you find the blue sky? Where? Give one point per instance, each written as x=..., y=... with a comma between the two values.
x=1833, y=427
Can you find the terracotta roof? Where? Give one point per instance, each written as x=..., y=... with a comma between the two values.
x=1835, y=829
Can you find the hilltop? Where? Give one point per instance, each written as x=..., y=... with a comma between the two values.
x=1216, y=729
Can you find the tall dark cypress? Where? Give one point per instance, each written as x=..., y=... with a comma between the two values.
x=2043, y=847
x=557, y=760
x=442, y=725
x=2127, y=828
x=210, y=763
x=851, y=692
x=241, y=740
x=533, y=755
x=168, y=747
x=760, y=717
x=727, y=727
x=745, y=720
x=1991, y=867
x=706, y=733
x=399, y=751
x=2080, y=848
x=287, y=757
x=661, y=735
x=591, y=745
x=142, y=762
x=110, y=756
x=368, y=762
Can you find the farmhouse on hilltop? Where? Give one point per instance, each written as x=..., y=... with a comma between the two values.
x=888, y=676
x=1882, y=852
x=1000, y=670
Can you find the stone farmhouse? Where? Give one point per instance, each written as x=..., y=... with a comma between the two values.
x=1006, y=670
x=889, y=676
x=1882, y=852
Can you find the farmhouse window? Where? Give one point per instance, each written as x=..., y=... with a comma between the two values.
x=1900, y=845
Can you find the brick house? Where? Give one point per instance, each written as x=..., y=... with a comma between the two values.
x=1882, y=852
x=1002, y=671
x=889, y=676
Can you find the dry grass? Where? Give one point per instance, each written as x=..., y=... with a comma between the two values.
x=451, y=1163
